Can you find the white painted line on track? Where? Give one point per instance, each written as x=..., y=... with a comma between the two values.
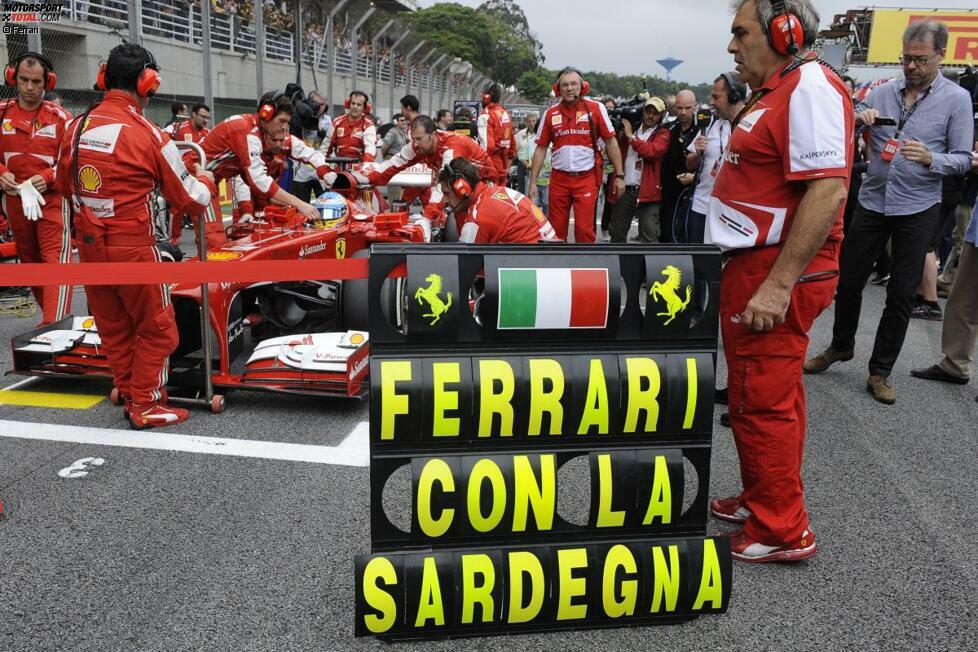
x=352, y=451
x=21, y=383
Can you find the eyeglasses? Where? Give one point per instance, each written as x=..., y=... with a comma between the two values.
x=919, y=61
x=420, y=138
x=570, y=84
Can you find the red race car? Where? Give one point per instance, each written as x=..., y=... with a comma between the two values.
x=304, y=337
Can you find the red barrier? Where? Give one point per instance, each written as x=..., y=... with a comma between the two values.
x=193, y=273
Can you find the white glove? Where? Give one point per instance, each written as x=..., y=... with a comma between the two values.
x=31, y=200
x=362, y=180
x=329, y=179
x=247, y=218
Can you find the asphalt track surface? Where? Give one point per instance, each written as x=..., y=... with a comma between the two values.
x=169, y=550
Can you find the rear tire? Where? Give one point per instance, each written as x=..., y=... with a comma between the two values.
x=355, y=301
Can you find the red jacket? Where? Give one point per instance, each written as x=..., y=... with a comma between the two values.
x=652, y=152
x=29, y=141
x=353, y=139
x=121, y=158
x=235, y=147
x=498, y=215
x=186, y=133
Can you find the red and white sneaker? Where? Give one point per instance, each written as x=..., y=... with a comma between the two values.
x=154, y=415
x=744, y=548
x=730, y=509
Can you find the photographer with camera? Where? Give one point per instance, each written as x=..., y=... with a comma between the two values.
x=922, y=129
x=643, y=189
x=682, y=132
x=705, y=152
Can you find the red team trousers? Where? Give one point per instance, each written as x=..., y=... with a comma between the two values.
x=143, y=330
x=48, y=240
x=569, y=189
x=767, y=396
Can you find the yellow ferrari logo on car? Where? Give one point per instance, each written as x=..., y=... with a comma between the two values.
x=219, y=256
x=669, y=292
x=341, y=248
x=430, y=295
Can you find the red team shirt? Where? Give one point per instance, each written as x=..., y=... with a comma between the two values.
x=568, y=129
x=502, y=215
x=353, y=139
x=186, y=133
x=29, y=140
x=801, y=129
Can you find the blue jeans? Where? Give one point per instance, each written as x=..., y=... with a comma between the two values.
x=543, y=194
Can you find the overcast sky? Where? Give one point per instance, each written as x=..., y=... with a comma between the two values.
x=628, y=36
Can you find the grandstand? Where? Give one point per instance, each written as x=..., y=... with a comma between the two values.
x=320, y=42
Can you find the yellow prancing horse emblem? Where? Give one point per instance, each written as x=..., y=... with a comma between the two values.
x=341, y=248
x=670, y=292
x=430, y=296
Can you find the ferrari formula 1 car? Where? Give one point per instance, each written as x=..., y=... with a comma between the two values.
x=304, y=337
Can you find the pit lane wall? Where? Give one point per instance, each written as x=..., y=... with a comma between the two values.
x=509, y=363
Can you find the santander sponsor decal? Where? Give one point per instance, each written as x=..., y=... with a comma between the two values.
x=359, y=367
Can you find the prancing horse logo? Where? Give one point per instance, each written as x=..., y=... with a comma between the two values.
x=429, y=295
x=669, y=292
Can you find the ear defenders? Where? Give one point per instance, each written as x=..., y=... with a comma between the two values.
x=268, y=108
x=736, y=89
x=10, y=72
x=785, y=33
x=147, y=83
x=367, y=107
x=585, y=85
x=459, y=184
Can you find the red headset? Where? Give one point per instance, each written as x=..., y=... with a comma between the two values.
x=459, y=184
x=10, y=72
x=585, y=85
x=785, y=33
x=147, y=83
x=268, y=108
x=486, y=99
x=367, y=107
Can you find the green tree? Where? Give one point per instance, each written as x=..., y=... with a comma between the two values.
x=511, y=14
x=535, y=85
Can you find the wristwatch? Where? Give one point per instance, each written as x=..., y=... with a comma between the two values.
x=619, y=176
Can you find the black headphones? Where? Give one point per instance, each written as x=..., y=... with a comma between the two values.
x=736, y=89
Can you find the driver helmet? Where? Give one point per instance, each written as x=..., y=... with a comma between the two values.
x=331, y=206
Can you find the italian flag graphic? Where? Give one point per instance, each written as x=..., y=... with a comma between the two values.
x=555, y=298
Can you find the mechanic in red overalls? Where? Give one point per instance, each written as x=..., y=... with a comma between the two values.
x=435, y=149
x=235, y=147
x=112, y=160
x=354, y=135
x=496, y=133
x=274, y=156
x=777, y=211
x=30, y=135
x=189, y=131
x=489, y=214
x=573, y=128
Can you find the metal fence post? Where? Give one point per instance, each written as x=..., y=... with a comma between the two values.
x=375, y=61
x=328, y=37
x=355, y=47
x=421, y=63
x=391, y=64
x=135, y=21
x=407, y=67
x=431, y=83
x=259, y=46
x=205, y=45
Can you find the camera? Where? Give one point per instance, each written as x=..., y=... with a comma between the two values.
x=305, y=115
x=631, y=110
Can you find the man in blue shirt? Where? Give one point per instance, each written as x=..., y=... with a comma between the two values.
x=928, y=136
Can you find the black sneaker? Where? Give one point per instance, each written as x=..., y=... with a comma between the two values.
x=880, y=278
x=927, y=312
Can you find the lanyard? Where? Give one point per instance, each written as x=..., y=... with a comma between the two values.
x=905, y=113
